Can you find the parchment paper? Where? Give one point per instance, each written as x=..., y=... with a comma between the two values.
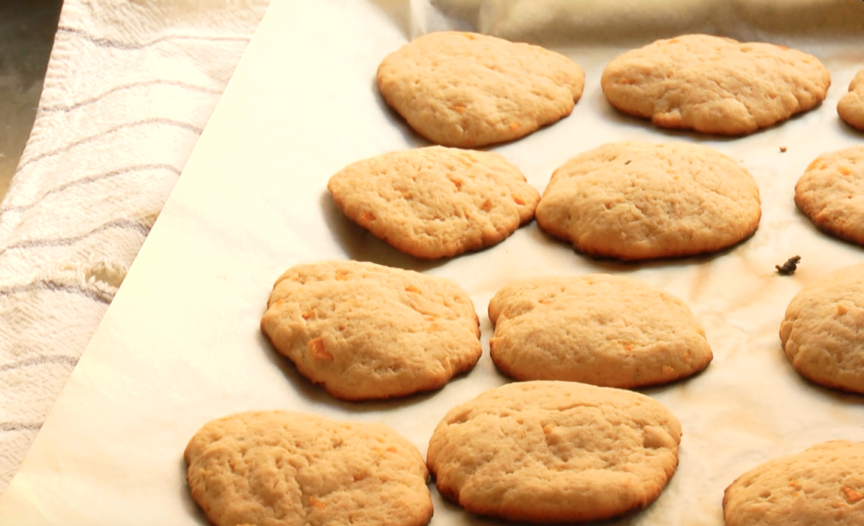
x=180, y=344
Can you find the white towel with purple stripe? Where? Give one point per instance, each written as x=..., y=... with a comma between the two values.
x=129, y=88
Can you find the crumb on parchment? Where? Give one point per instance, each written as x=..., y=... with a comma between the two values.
x=788, y=268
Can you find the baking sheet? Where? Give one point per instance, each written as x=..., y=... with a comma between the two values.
x=635, y=22
x=180, y=344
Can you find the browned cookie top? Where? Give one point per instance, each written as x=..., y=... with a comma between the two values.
x=554, y=452
x=365, y=331
x=851, y=106
x=470, y=90
x=831, y=193
x=436, y=202
x=823, y=330
x=280, y=468
x=639, y=200
x=714, y=85
x=820, y=486
x=599, y=329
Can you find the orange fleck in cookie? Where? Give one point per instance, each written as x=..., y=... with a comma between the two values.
x=831, y=193
x=823, y=331
x=598, y=329
x=822, y=485
x=470, y=90
x=281, y=468
x=851, y=106
x=436, y=202
x=365, y=331
x=714, y=85
x=554, y=452
x=638, y=200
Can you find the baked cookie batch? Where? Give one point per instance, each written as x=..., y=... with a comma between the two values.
x=566, y=441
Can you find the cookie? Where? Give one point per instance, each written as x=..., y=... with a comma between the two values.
x=823, y=331
x=470, y=90
x=822, y=485
x=638, y=200
x=279, y=468
x=714, y=85
x=364, y=331
x=436, y=202
x=554, y=452
x=831, y=193
x=598, y=329
x=851, y=106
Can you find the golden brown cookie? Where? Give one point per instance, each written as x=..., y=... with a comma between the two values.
x=714, y=85
x=638, y=200
x=436, y=202
x=611, y=331
x=823, y=331
x=364, y=331
x=554, y=452
x=851, y=106
x=831, y=193
x=279, y=468
x=820, y=486
x=470, y=90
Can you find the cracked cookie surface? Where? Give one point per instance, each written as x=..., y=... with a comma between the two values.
x=280, y=468
x=851, y=106
x=554, y=452
x=470, y=90
x=822, y=485
x=639, y=200
x=822, y=331
x=714, y=85
x=831, y=193
x=436, y=202
x=611, y=331
x=365, y=331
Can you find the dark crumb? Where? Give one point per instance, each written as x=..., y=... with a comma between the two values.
x=782, y=149
x=788, y=268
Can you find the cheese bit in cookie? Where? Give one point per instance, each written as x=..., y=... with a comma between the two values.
x=284, y=468
x=822, y=485
x=639, y=200
x=471, y=90
x=365, y=331
x=598, y=329
x=822, y=331
x=436, y=202
x=714, y=85
x=554, y=452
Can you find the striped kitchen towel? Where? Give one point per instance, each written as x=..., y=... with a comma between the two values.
x=129, y=88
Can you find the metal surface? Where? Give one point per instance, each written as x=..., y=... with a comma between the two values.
x=27, y=30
